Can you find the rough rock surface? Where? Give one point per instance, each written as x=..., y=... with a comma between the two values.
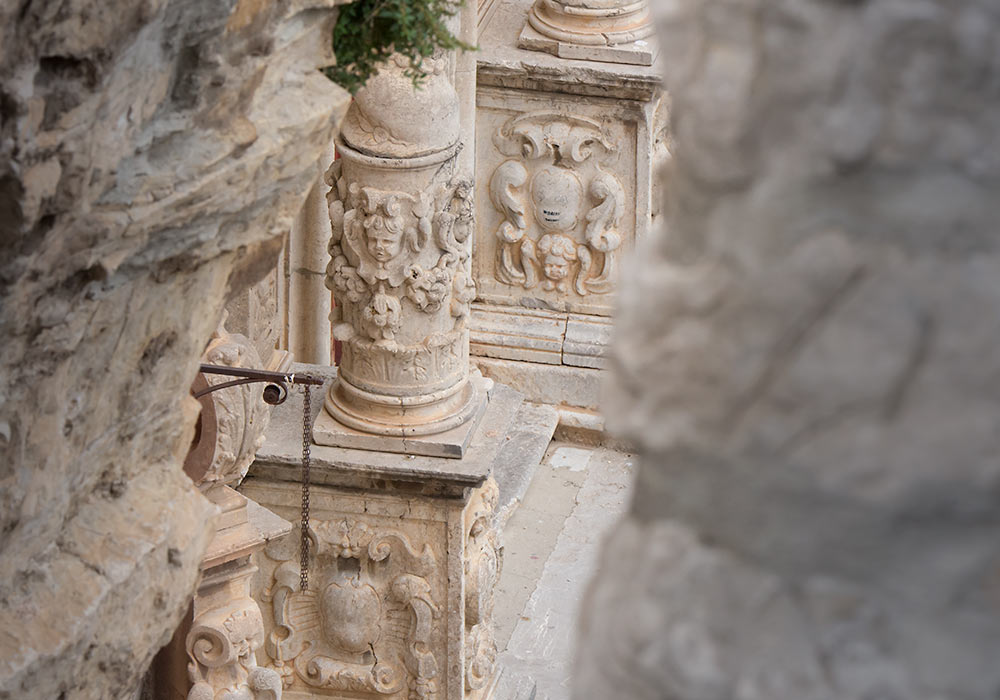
x=808, y=357
x=153, y=153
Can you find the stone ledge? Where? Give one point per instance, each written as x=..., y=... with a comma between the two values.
x=539, y=336
x=281, y=457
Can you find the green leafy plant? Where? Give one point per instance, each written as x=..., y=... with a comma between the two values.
x=368, y=32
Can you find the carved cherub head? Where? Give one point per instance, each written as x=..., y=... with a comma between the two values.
x=384, y=229
x=558, y=254
x=557, y=196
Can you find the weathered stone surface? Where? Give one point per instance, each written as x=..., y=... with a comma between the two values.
x=521, y=453
x=281, y=456
x=402, y=566
x=573, y=386
x=808, y=357
x=153, y=153
x=566, y=152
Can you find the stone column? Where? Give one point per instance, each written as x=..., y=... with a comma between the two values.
x=308, y=300
x=402, y=225
x=599, y=30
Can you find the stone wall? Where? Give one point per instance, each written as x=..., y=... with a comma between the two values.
x=807, y=356
x=153, y=154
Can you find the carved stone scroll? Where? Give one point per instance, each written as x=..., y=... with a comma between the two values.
x=365, y=626
x=226, y=632
x=482, y=571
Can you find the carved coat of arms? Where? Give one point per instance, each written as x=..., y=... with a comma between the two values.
x=561, y=207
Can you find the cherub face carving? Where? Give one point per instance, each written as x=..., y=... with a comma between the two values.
x=558, y=254
x=557, y=196
x=384, y=244
x=384, y=231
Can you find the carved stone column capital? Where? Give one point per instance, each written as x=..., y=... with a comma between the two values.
x=615, y=31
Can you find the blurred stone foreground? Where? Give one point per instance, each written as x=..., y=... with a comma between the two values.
x=807, y=356
x=804, y=356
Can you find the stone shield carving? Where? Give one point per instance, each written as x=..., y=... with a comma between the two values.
x=561, y=207
x=366, y=625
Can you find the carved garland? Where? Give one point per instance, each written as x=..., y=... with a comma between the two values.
x=377, y=235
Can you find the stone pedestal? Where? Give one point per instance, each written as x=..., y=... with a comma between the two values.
x=616, y=31
x=404, y=558
x=400, y=272
x=566, y=152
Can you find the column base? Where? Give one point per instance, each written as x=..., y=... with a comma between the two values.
x=636, y=53
x=452, y=443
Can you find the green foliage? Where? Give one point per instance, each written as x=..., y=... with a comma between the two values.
x=368, y=32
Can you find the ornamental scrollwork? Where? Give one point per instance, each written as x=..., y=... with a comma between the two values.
x=367, y=623
x=221, y=646
x=561, y=208
x=482, y=571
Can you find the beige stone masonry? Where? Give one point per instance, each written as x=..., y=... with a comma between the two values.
x=566, y=151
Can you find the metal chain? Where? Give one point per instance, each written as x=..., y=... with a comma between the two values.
x=306, y=464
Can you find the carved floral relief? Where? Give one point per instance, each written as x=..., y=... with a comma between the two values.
x=561, y=205
x=379, y=240
x=390, y=250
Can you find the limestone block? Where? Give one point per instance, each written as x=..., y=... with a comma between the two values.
x=402, y=563
x=399, y=599
x=510, y=333
x=549, y=384
x=535, y=335
x=153, y=153
x=588, y=339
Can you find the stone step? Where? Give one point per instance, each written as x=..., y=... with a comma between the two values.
x=521, y=453
x=515, y=687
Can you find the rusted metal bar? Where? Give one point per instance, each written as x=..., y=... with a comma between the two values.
x=276, y=390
